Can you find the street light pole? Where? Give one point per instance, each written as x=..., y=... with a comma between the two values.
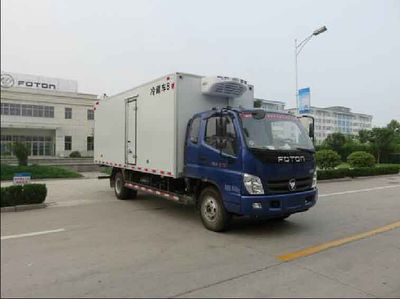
x=297, y=50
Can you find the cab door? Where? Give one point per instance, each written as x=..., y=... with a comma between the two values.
x=192, y=146
x=220, y=158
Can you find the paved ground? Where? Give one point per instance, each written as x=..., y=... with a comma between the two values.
x=149, y=247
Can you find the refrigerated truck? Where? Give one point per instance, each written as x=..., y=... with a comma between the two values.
x=198, y=140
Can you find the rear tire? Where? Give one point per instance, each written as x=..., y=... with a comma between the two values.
x=121, y=192
x=212, y=211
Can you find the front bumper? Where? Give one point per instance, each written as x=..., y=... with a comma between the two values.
x=276, y=205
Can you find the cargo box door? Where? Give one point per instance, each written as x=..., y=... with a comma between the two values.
x=130, y=130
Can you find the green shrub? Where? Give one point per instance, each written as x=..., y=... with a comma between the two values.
x=23, y=194
x=351, y=147
x=21, y=152
x=37, y=171
x=14, y=195
x=356, y=172
x=34, y=193
x=393, y=158
x=327, y=174
x=327, y=159
x=361, y=159
x=11, y=195
x=369, y=171
x=75, y=154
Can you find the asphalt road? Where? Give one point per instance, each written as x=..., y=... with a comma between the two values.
x=89, y=244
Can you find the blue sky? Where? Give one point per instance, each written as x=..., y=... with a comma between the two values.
x=110, y=46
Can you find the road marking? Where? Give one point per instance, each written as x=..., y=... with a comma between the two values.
x=33, y=234
x=359, y=190
x=324, y=246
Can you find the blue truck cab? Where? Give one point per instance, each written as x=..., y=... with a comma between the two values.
x=253, y=162
x=237, y=162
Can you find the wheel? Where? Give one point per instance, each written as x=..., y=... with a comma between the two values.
x=121, y=192
x=212, y=211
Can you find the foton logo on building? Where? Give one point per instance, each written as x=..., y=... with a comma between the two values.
x=43, y=85
x=291, y=159
x=8, y=81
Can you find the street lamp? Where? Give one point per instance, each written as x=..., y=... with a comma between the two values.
x=297, y=50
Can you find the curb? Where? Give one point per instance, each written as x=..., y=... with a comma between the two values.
x=21, y=208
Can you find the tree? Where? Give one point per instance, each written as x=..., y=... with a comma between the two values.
x=257, y=103
x=364, y=136
x=335, y=142
x=381, y=139
x=394, y=125
x=21, y=152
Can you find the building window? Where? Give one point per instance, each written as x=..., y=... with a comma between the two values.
x=38, y=111
x=67, y=143
x=5, y=109
x=90, y=143
x=15, y=109
x=68, y=113
x=27, y=110
x=37, y=145
x=49, y=112
x=90, y=114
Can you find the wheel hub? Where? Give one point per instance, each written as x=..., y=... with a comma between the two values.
x=210, y=209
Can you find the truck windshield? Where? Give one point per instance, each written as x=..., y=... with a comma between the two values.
x=274, y=131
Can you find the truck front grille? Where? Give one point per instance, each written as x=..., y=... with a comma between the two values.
x=282, y=186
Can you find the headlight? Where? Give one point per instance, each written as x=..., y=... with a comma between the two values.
x=253, y=184
x=314, y=180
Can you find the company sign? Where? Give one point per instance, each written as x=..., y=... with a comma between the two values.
x=304, y=100
x=22, y=178
x=9, y=80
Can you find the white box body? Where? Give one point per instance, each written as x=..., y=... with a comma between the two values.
x=152, y=138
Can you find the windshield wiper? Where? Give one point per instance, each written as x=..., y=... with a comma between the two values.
x=307, y=150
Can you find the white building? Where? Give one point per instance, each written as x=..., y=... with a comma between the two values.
x=337, y=119
x=270, y=105
x=47, y=114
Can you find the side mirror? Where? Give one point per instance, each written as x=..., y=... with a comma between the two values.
x=311, y=131
x=309, y=123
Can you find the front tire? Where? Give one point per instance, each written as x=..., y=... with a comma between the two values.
x=121, y=192
x=212, y=211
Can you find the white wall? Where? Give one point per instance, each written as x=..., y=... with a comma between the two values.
x=79, y=127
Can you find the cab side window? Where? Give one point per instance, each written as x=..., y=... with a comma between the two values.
x=214, y=134
x=195, y=130
x=230, y=134
x=211, y=131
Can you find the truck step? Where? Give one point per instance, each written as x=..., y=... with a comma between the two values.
x=179, y=198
